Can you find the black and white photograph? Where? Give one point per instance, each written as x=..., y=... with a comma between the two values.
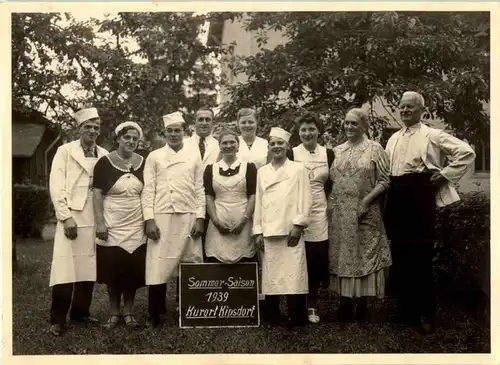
x=250, y=182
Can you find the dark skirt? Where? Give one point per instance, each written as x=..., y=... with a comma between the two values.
x=120, y=269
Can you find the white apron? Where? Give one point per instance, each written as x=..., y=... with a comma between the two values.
x=174, y=246
x=75, y=260
x=284, y=269
x=123, y=214
x=230, y=203
x=318, y=171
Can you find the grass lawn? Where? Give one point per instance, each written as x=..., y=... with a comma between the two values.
x=457, y=331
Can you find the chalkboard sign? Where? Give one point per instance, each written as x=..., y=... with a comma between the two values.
x=219, y=295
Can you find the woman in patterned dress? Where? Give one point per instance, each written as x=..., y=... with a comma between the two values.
x=121, y=244
x=359, y=249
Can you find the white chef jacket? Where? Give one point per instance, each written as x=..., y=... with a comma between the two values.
x=283, y=199
x=173, y=183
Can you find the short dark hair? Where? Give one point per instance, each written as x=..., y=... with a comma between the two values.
x=309, y=117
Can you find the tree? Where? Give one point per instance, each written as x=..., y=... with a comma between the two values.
x=332, y=61
x=136, y=66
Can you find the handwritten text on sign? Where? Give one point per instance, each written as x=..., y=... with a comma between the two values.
x=218, y=295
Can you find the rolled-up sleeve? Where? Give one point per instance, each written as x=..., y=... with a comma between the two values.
x=381, y=160
x=460, y=155
x=57, y=184
x=304, y=199
x=149, y=189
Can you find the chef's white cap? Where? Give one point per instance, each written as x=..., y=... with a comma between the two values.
x=280, y=133
x=83, y=115
x=173, y=118
x=129, y=124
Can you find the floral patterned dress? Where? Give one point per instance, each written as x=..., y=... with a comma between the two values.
x=359, y=249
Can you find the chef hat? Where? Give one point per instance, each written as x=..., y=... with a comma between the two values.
x=280, y=133
x=173, y=118
x=129, y=124
x=85, y=114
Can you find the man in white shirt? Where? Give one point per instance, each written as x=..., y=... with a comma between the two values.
x=202, y=140
x=173, y=203
x=419, y=183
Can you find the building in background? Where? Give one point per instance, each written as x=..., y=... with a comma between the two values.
x=245, y=44
x=35, y=140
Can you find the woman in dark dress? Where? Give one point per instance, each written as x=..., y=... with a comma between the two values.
x=121, y=248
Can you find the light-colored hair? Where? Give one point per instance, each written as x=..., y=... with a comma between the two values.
x=361, y=116
x=415, y=96
x=244, y=112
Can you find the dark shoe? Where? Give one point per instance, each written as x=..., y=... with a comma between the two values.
x=427, y=327
x=153, y=322
x=56, y=330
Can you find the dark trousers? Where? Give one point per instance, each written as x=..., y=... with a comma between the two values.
x=78, y=296
x=297, y=308
x=157, y=300
x=413, y=279
x=410, y=222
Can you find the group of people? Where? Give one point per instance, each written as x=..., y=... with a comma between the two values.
x=310, y=216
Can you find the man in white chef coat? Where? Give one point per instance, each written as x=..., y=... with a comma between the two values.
x=282, y=209
x=419, y=183
x=73, y=269
x=173, y=202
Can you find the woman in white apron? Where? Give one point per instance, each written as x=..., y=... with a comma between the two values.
x=317, y=160
x=282, y=208
x=251, y=148
x=121, y=245
x=73, y=269
x=173, y=202
x=230, y=197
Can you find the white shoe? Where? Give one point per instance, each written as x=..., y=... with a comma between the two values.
x=312, y=315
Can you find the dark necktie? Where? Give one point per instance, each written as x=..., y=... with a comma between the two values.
x=202, y=147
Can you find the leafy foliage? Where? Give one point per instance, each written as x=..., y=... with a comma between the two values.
x=463, y=247
x=332, y=61
x=135, y=66
x=31, y=209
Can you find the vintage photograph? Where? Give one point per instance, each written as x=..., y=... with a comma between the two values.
x=250, y=182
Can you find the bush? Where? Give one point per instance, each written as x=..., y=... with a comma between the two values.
x=463, y=245
x=31, y=208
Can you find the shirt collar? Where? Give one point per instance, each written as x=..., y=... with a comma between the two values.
x=207, y=138
x=412, y=129
x=92, y=148
x=224, y=166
